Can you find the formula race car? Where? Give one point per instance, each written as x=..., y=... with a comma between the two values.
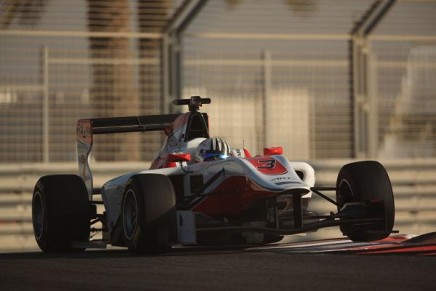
x=200, y=191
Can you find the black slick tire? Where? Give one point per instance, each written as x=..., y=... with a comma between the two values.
x=367, y=182
x=60, y=213
x=148, y=213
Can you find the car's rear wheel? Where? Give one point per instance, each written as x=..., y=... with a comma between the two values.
x=60, y=213
x=148, y=213
x=366, y=182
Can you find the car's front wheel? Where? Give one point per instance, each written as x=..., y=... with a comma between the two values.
x=148, y=213
x=367, y=182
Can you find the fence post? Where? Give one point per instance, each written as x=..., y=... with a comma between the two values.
x=366, y=100
x=266, y=114
x=165, y=65
x=364, y=81
x=45, y=107
x=373, y=112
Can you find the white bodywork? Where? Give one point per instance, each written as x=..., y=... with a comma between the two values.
x=112, y=191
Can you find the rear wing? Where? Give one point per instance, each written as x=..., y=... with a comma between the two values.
x=86, y=128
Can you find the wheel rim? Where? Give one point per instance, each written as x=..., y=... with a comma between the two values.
x=130, y=218
x=345, y=193
x=38, y=215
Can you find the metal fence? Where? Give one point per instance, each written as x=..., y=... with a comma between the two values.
x=38, y=119
x=296, y=74
x=406, y=96
x=360, y=83
x=271, y=98
x=60, y=61
x=303, y=105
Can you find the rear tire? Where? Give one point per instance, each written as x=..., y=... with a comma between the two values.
x=367, y=182
x=60, y=213
x=148, y=213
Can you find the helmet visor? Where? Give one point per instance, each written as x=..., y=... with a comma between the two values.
x=214, y=156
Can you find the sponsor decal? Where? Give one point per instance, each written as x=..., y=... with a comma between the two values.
x=238, y=153
x=84, y=131
x=282, y=180
x=268, y=166
x=279, y=179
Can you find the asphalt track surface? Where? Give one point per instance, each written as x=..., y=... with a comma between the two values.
x=331, y=265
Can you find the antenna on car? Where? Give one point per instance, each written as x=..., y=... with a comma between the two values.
x=194, y=102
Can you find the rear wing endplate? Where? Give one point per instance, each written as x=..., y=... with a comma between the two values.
x=86, y=128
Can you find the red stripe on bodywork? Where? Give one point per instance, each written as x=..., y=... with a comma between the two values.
x=232, y=196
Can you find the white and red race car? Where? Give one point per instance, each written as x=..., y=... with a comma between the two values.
x=199, y=191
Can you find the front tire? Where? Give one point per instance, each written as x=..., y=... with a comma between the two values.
x=148, y=213
x=367, y=182
x=60, y=213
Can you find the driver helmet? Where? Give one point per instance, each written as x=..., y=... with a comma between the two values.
x=212, y=149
